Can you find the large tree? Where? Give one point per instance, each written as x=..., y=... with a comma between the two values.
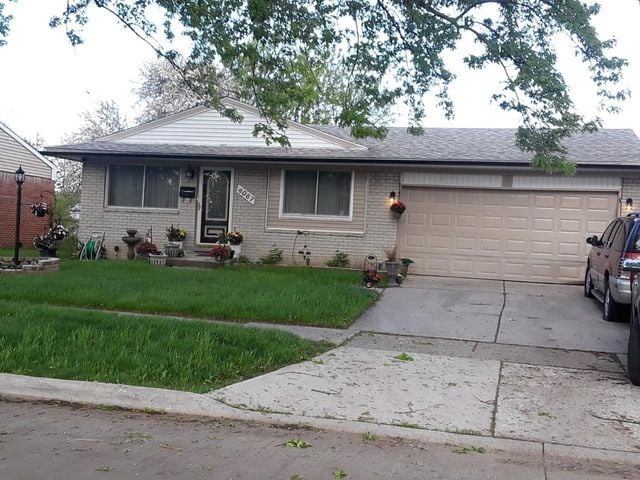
x=102, y=120
x=388, y=50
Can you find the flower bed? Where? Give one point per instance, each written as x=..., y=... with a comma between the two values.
x=30, y=265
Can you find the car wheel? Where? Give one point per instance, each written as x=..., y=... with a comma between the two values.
x=610, y=308
x=588, y=284
x=633, y=352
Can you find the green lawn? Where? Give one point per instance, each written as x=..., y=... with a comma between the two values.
x=294, y=295
x=196, y=356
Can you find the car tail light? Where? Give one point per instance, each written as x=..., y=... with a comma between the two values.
x=628, y=255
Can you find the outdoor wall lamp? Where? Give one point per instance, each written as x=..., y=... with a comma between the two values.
x=189, y=173
x=629, y=203
x=19, y=176
x=392, y=197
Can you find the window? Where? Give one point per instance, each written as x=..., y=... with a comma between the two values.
x=143, y=187
x=604, y=240
x=317, y=193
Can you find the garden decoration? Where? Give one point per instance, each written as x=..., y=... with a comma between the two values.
x=370, y=275
x=158, y=259
x=398, y=208
x=131, y=240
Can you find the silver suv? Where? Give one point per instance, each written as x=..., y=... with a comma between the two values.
x=605, y=278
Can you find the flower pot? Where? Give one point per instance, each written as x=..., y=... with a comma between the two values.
x=393, y=268
x=52, y=252
x=172, y=249
x=159, y=260
x=236, y=249
x=43, y=252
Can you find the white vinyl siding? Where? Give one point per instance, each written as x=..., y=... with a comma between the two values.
x=13, y=154
x=208, y=127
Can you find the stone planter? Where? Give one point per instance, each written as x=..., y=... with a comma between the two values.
x=236, y=249
x=172, y=249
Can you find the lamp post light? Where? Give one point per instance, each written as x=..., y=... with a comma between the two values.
x=19, y=180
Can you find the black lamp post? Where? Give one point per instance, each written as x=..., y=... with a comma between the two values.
x=19, y=181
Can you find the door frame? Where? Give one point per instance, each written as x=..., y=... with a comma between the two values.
x=200, y=204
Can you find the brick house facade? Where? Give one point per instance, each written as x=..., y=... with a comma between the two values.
x=475, y=208
x=30, y=225
x=38, y=185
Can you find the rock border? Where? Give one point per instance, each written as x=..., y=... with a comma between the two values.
x=32, y=265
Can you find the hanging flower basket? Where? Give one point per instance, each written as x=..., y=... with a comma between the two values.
x=398, y=208
x=40, y=209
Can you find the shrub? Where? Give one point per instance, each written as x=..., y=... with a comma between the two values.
x=340, y=260
x=274, y=256
x=221, y=252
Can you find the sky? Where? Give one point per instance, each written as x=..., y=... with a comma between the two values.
x=45, y=83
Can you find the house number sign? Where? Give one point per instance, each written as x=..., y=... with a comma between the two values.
x=247, y=195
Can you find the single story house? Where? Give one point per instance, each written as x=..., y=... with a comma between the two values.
x=15, y=152
x=475, y=207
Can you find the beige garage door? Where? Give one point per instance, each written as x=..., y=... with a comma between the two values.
x=514, y=235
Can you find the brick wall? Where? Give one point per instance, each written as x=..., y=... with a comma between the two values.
x=380, y=226
x=30, y=226
x=115, y=221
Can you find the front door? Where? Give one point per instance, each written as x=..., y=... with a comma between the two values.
x=216, y=189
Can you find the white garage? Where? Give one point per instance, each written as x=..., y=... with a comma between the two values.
x=535, y=230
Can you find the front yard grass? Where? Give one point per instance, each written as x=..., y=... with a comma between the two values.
x=293, y=295
x=195, y=356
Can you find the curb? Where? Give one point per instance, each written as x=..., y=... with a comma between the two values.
x=187, y=403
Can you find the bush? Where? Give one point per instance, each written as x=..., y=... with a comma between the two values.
x=340, y=260
x=145, y=248
x=274, y=256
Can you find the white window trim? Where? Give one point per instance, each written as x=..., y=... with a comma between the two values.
x=304, y=216
x=144, y=180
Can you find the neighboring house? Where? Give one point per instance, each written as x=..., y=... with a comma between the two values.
x=15, y=152
x=475, y=207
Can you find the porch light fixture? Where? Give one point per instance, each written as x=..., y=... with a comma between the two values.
x=19, y=176
x=189, y=173
x=392, y=197
x=629, y=203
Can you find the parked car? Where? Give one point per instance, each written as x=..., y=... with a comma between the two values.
x=633, y=350
x=605, y=278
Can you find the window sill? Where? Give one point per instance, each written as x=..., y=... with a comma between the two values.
x=162, y=211
x=317, y=218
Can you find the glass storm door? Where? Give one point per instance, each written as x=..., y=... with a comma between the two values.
x=216, y=187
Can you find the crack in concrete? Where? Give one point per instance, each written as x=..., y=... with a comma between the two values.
x=504, y=303
x=495, y=402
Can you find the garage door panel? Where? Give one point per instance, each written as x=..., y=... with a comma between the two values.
x=534, y=236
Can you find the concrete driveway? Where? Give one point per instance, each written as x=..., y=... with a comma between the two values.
x=556, y=316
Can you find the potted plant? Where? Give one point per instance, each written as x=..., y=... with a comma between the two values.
x=221, y=253
x=235, y=240
x=45, y=244
x=392, y=264
x=59, y=232
x=398, y=208
x=176, y=236
x=40, y=209
x=405, y=266
x=147, y=248
x=370, y=278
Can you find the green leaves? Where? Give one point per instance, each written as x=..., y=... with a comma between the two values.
x=348, y=61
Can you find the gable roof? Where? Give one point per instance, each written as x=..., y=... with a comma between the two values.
x=438, y=146
x=14, y=152
x=207, y=127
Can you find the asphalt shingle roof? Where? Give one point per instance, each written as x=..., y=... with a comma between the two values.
x=489, y=146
